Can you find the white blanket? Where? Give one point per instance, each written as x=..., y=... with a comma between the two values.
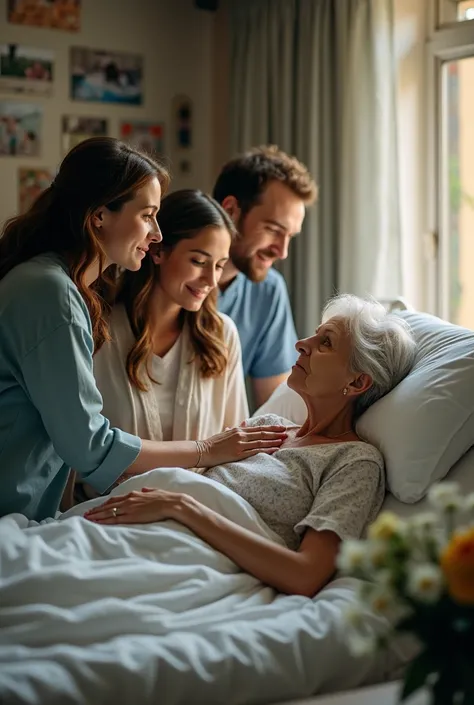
x=148, y=614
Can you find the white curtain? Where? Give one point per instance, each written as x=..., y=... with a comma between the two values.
x=317, y=78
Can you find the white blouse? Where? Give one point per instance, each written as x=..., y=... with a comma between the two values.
x=165, y=370
x=201, y=407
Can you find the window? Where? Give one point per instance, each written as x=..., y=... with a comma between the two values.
x=450, y=11
x=452, y=146
x=457, y=164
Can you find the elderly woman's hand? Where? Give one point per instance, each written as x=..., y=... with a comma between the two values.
x=137, y=507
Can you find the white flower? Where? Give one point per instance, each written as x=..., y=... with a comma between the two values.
x=354, y=615
x=424, y=523
x=361, y=645
x=385, y=578
x=425, y=583
x=376, y=553
x=382, y=601
x=351, y=556
x=469, y=502
x=445, y=496
x=427, y=535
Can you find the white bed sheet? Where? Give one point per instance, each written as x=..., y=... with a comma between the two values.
x=148, y=614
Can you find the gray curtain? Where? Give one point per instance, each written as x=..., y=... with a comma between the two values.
x=317, y=78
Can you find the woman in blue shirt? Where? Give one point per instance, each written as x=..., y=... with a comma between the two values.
x=100, y=210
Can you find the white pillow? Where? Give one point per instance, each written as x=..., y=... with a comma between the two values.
x=286, y=403
x=462, y=473
x=426, y=423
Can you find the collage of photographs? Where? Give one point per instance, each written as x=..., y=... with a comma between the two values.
x=95, y=76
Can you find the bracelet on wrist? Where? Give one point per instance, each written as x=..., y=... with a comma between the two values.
x=199, y=449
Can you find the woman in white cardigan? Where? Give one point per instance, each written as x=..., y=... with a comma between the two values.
x=172, y=370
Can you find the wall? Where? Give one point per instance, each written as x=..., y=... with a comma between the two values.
x=175, y=40
x=221, y=87
x=410, y=40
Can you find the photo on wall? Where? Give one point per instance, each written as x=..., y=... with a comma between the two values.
x=77, y=128
x=31, y=182
x=20, y=129
x=145, y=136
x=56, y=14
x=182, y=129
x=106, y=76
x=26, y=70
x=182, y=108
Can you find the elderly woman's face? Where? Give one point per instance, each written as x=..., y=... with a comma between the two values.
x=322, y=369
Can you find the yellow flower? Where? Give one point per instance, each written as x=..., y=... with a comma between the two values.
x=457, y=562
x=385, y=526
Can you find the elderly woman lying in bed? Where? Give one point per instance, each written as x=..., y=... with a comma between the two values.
x=325, y=483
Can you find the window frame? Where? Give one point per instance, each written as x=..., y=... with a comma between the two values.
x=448, y=9
x=446, y=43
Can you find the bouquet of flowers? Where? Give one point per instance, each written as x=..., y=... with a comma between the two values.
x=419, y=574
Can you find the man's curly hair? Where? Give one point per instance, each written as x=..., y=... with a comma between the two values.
x=245, y=177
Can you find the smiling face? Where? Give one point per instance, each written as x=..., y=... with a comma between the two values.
x=323, y=370
x=192, y=268
x=126, y=234
x=266, y=230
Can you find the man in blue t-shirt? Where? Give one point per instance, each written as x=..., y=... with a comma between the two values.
x=265, y=191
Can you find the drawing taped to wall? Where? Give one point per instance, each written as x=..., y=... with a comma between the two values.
x=144, y=136
x=77, y=128
x=106, y=76
x=20, y=129
x=26, y=70
x=56, y=14
x=31, y=182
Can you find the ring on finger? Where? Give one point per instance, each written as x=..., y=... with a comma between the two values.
x=114, y=512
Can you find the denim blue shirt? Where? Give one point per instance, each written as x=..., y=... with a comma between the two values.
x=50, y=407
x=262, y=313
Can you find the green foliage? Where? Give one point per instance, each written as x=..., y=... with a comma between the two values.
x=456, y=194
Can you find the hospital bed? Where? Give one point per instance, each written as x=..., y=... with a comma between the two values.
x=151, y=614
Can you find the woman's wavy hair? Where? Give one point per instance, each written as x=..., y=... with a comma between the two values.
x=183, y=214
x=98, y=172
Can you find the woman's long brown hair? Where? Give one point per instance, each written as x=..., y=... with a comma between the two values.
x=98, y=172
x=183, y=215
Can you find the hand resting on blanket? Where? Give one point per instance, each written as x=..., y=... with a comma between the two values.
x=324, y=484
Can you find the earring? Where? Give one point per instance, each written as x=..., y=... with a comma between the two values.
x=345, y=391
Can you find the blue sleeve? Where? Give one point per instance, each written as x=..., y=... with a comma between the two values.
x=58, y=376
x=276, y=352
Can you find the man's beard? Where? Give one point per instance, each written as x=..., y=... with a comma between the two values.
x=246, y=265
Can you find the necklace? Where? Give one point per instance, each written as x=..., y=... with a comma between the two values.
x=340, y=435
x=294, y=443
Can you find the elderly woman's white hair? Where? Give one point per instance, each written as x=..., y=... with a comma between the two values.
x=382, y=344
